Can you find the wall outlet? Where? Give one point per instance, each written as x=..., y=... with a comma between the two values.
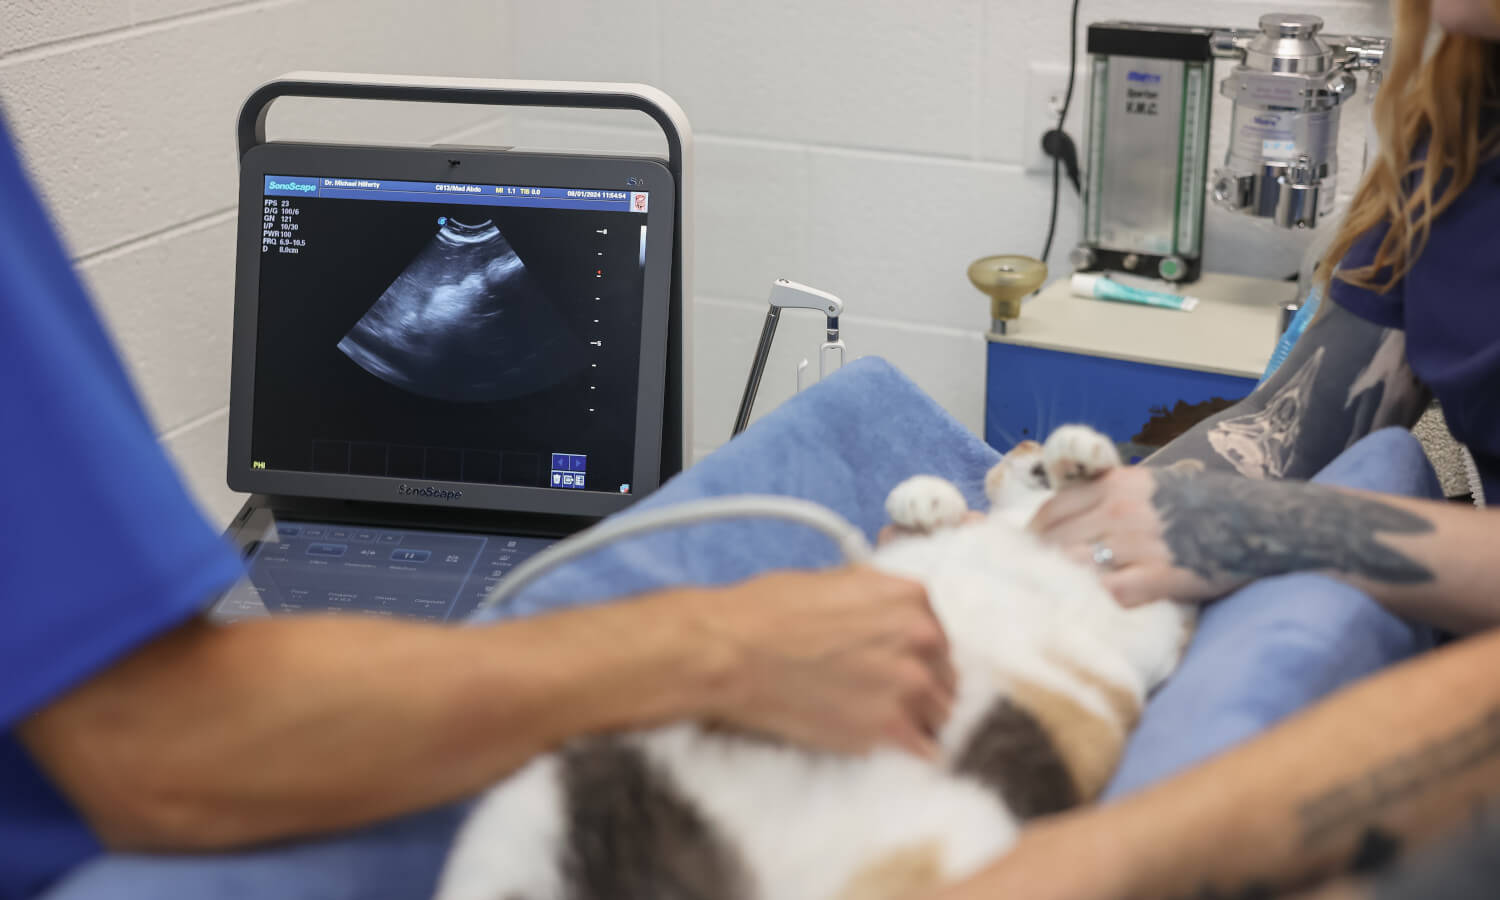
x=1046, y=84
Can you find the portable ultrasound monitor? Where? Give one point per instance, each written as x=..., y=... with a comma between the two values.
x=444, y=360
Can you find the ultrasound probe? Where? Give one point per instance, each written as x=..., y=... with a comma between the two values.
x=791, y=295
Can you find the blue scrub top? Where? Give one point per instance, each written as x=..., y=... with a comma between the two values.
x=1449, y=307
x=103, y=548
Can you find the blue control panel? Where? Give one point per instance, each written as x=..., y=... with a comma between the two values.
x=321, y=567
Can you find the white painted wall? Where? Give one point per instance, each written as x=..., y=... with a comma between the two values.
x=868, y=147
x=125, y=113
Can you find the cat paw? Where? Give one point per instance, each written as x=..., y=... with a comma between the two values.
x=925, y=503
x=1077, y=453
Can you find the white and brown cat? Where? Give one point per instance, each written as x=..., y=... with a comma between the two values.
x=1052, y=677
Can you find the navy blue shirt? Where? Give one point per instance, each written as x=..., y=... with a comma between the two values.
x=1449, y=307
x=103, y=549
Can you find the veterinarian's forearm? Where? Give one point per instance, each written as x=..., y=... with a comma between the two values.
x=1344, y=379
x=215, y=737
x=1450, y=572
x=1427, y=560
x=1377, y=769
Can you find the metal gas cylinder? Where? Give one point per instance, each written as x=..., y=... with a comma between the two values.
x=1287, y=91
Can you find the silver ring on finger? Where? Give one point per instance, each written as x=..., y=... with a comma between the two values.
x=1102, y=556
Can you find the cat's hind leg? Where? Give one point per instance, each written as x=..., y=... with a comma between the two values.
x=1077, y=453
x=1030, y=472
x=923, y=504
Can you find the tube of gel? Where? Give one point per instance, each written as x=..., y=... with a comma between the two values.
x=1098, y=286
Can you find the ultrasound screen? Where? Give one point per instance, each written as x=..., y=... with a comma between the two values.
x=484, y=334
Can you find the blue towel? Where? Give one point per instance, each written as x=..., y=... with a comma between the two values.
x=845, y=443
x=1282, y=643
x=400, y=860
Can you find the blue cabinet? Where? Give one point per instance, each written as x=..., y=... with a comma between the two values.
x=1030, y=391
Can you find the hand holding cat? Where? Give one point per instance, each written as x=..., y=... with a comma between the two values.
x=843, y=660
x=1188, y=535
x=1156, y=533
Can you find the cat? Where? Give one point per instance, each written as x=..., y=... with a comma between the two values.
x=1052, y=677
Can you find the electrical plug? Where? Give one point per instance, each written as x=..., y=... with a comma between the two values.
x=1057, y=145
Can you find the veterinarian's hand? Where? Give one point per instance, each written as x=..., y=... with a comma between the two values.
x=840, y=660
x=1161, y=533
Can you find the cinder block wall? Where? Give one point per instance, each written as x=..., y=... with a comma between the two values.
x=869, y=147
x=872, y=148
x=125, y=115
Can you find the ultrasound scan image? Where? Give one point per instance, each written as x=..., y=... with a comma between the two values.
x=466, y=323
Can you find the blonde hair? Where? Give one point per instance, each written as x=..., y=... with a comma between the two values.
x=1430, y=101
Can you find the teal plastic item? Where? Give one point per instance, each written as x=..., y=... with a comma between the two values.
x=1293, y=332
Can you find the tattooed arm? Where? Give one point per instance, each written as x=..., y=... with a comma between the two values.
x=1382, y=766
x=1344, y=379
x=1190, y=536
x=1194, y=533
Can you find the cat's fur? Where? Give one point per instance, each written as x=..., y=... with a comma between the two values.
x=1052, y=675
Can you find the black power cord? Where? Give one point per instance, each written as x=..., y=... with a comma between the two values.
x=1058, y=145
x=1056, y=142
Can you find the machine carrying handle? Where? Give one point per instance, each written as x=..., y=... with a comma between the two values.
x=473, y=91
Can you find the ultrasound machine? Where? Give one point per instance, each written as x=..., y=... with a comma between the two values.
x=446, y=360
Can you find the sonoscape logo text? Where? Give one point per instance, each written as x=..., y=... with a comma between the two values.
x=407, y=490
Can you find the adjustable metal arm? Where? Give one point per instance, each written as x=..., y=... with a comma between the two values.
x=757, y=369
x=789, y=295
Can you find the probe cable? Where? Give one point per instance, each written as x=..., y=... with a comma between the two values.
x=850, y=540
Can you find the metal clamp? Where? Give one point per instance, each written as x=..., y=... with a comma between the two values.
x=791, y=295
